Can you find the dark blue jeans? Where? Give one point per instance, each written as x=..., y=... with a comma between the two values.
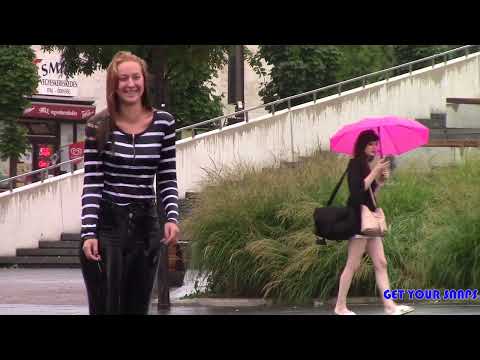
x=129, y=244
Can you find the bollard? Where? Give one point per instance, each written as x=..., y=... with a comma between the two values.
x=163, y=288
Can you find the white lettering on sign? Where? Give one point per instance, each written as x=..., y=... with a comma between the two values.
x=87, y=113
x=59, y=111
x=53, y=80
x=76, y=151
x=63, y=113
x=44, y=110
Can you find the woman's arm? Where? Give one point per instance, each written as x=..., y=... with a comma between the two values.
x=92, y=184
x=369, y=180
x=167, y=190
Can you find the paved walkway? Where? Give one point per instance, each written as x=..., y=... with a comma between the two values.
x=61, y=292
x=420, y=309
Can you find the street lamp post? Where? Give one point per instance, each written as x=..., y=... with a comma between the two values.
x=236, y=82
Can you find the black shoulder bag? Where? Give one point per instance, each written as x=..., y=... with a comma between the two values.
x=334, y=223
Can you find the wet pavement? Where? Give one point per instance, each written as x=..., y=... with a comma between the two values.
x=61, y=292
x=367, y=309
x=420, y=309
x=42, y=292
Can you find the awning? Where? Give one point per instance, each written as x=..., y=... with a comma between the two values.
x=59, y=111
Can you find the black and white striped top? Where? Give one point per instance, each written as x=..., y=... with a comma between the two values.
x=126, y=175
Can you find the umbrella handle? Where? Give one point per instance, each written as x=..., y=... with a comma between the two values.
x=380, y=143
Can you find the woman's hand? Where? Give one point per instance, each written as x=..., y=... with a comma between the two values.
x=377, y=173
x=382, y=179
x=380, y=167
x=90, y=249
x=386, y=174
x=172, y=233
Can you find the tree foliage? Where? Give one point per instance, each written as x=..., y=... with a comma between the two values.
x=18, y=79
x=183, y=72
x=296, y=69
x=300, y=68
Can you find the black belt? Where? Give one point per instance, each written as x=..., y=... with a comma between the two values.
x=134, y=208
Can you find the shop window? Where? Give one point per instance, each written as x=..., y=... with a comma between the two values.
x=45, y=151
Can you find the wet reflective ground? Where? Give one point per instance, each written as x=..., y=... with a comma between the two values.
x=61, y=292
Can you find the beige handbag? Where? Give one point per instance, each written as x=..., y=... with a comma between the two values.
x=373, y=222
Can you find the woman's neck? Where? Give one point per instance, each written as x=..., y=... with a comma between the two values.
x=131, y=113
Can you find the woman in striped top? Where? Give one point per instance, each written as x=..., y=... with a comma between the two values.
x=126, y=147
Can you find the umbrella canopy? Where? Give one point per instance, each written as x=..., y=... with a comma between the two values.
x=397, y=135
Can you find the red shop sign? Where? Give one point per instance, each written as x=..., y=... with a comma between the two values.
x=42, y=164
x=76, y=150
x=59, y=111
x=45, y=151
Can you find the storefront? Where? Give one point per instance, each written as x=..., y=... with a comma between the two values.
x=53, y=124
x=55, y=120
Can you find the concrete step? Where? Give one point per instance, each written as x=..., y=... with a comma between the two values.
x=70, y=237
x=435, y=121
x=59, y=244
x=48, y=252
x=40, y=261
x=455, y=134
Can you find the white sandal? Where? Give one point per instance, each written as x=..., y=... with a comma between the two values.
x=347, y=313
x=401, y=310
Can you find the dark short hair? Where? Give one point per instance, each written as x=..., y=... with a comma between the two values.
x=363, y=139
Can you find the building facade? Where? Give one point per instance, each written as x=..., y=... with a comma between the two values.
x=57, y=115
x=60, y=108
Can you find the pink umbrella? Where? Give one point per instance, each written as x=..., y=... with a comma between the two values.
x=397, y=135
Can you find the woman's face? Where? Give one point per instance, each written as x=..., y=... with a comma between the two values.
x=371, y=148
x=131, y=83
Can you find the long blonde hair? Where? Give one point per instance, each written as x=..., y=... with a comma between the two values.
x=105, y=126
x=112, y=81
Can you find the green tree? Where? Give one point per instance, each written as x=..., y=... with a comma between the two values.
x=300, y=68
x=18, y=79
x=407, y=53
x=181, y=74
x=296, y=69
x=358, y=60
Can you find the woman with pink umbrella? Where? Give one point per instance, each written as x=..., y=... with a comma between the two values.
x=363, y=140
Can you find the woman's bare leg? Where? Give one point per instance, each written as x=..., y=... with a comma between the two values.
x=377, y=254
x=356, y=249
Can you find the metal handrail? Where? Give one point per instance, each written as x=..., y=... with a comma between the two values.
x=338, y=85
x=273, y=103
x=45, y=171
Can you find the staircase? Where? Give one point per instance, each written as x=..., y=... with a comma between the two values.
x=442, y=135
x=63, y=253
x=50, y=254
